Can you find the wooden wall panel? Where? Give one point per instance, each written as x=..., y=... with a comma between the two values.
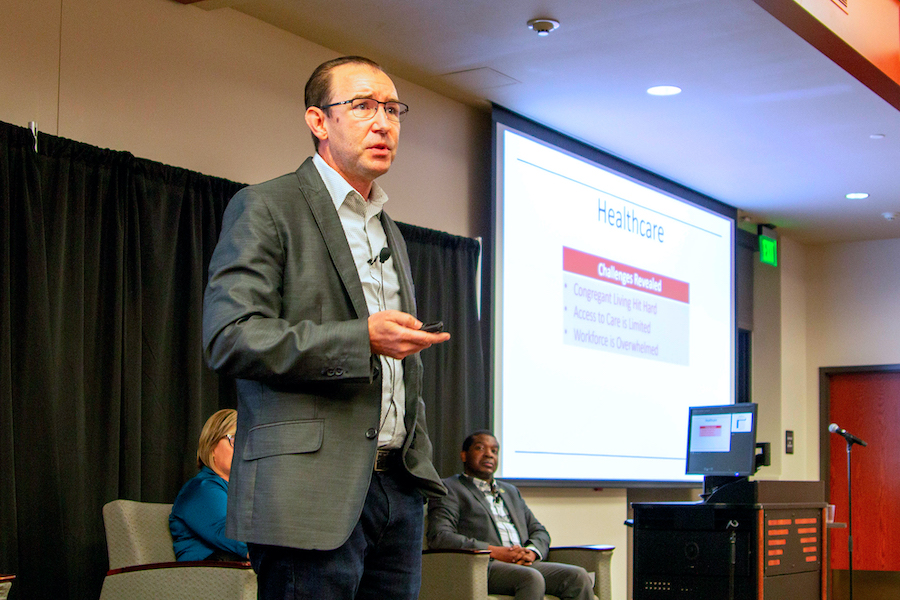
x=868, y=405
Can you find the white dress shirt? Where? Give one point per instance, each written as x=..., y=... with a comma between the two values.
x=380, y=283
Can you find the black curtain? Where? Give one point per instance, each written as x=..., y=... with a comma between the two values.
x=103, y=388
x=444, y=269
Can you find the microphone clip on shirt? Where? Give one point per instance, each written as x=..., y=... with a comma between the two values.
x=381, y=257
x=495, y=492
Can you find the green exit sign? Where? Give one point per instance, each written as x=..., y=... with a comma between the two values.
x=768, y=250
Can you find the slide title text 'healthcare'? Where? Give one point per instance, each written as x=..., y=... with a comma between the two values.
x=627, y=220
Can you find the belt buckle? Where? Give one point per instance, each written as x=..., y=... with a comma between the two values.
x=383, y=460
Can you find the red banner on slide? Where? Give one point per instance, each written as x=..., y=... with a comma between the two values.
x=596, y=267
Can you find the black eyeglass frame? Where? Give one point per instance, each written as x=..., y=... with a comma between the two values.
x=230, y=439
x=404, y=108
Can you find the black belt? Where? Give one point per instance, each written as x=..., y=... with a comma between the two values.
x=387, y=460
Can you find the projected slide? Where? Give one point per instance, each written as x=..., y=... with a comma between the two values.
x=614, y=313
x=617, y=308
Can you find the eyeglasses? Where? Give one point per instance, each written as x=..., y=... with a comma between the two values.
x=366, y=108
x=230, y=439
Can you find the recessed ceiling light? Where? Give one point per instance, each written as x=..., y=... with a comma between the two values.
x=664, y=90
x=876, y=136
x=543, y=27
x=857, y=196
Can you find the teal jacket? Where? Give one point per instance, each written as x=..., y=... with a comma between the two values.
x=197, y=521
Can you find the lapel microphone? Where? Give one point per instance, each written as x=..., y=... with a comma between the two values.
x=495, y=491
x=382, y=256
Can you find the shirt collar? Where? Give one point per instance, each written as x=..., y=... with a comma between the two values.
x=488, y=487
x=339, y=189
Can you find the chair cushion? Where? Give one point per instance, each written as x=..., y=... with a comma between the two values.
x=184, y=583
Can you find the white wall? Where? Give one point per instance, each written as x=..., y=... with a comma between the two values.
x=766, y=359
x=854, y=304
x=796, y=415
x=832, y=305
x=779, y=363
x=29, y=68
x=853, y=307
x=220, y=93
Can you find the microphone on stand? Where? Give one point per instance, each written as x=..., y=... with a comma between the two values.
x=382, y=256
x=851, y=439
x=833, y=428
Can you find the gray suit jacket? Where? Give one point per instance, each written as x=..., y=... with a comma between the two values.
x=284, y=314
x=463, y=518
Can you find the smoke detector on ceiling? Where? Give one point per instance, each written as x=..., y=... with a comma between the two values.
x=889, y=216
x=543, y=27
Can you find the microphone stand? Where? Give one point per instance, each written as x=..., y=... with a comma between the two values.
x=732, y=543
x=850, y=518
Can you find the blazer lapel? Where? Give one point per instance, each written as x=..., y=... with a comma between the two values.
x=479, y=497
x=515, y=513
x=476, y=494
x=316, y=194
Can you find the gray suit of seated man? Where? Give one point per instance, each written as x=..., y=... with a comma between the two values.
x=482, y=513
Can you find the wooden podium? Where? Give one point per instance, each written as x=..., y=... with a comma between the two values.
x=750, y=540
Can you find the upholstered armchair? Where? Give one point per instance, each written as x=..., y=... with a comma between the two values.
x=462, y=574
x=142, y=562
x=5, y=585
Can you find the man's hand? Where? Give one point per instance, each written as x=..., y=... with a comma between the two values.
x=513, y=554
x=528, y=557
x=396, y=334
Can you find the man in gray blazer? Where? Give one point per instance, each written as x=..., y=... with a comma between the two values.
x=310, y=307
x=482, y=513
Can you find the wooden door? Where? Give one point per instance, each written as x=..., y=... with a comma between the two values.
x=866, y=404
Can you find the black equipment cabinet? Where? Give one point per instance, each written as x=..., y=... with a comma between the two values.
x=759, y=540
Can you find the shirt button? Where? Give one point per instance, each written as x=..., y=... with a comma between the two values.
x=371, y=433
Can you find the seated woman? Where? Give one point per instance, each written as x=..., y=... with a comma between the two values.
x=197, y=521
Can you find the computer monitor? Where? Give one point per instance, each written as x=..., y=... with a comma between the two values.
x=722, y=440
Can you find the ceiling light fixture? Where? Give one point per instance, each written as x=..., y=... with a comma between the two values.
x=876, y=136
x=664, y=90
x=857, y=196
x=543, y=27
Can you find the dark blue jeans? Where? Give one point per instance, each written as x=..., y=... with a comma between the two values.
x=382, y=559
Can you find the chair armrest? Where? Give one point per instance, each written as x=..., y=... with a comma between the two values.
x=593, y=559
x=189, y=579
x=219, y=564
x=454, y=574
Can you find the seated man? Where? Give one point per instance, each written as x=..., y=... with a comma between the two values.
x=479, y=512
